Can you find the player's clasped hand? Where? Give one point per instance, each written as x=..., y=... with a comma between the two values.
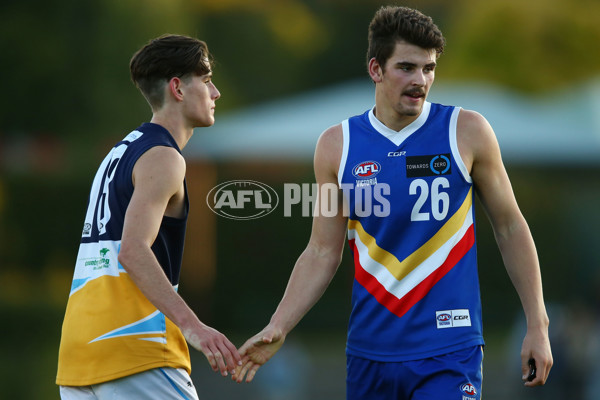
x=257, y=351
x=221, y=354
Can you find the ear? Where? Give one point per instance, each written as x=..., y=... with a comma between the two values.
x=375, y=70
x=175, y=88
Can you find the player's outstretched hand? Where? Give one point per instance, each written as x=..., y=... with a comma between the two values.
x=536, y=358
x=221, y=354
x=257, y=351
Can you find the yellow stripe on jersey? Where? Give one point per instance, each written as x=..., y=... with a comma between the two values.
x=400, y=269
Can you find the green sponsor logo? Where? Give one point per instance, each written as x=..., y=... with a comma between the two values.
x=99, y=262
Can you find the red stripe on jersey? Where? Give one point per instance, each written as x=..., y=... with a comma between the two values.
x=402, y=305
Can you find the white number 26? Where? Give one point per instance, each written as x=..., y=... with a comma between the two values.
x=440, y=201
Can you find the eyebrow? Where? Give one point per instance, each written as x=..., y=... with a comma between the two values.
x=413, y=65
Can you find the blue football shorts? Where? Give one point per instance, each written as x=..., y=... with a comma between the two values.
x=452, y=376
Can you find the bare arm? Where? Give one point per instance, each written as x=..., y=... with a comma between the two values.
x=313, y=270
x=158, y=178
x=481, y=153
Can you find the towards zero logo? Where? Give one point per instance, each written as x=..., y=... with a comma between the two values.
x=241, y=199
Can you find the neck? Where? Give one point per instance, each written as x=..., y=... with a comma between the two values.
x=176, y=128
x=391, y=117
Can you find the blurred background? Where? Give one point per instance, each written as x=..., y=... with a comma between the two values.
x=287, y=70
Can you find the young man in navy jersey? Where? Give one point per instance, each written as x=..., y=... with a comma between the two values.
x=415, y=330
x=126, y=327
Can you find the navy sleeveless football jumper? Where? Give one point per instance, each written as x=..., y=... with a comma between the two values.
x=111, y=329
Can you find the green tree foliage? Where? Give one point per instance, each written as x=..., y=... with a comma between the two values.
x=65, y=62
x=531, y=46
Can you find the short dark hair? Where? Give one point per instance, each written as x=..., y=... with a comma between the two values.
x=166, y=57
x=392, y=24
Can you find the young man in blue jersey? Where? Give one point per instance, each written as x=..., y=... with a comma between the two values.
x=415, y=328
x=125, y=328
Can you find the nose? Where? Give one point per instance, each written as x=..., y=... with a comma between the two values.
x=419, y=78
x=215, y=94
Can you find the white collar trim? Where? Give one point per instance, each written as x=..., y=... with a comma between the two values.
x=397, y=137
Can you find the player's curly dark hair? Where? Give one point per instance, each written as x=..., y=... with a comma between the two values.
x=391, y=24
x=166, y=57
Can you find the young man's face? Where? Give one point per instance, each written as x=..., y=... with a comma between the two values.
x=200, y=97
x=407, y=77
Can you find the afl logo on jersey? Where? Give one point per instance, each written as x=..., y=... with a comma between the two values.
x=366, y=169
x=468, y=389
x=444, y=317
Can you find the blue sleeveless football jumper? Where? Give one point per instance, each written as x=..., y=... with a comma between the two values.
x=412, y=235
x=110, y=329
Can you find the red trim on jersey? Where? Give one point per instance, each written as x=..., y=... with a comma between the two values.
x=402, y=305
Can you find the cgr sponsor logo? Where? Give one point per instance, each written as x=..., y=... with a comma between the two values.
x=366, y=169
x=396, y=153
x=242, y=199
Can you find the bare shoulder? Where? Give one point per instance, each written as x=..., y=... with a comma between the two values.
x=330, y=142
x=331, y=138
x=161, y=164
x=163, y=153
x=475, y=136
x=328, y=153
